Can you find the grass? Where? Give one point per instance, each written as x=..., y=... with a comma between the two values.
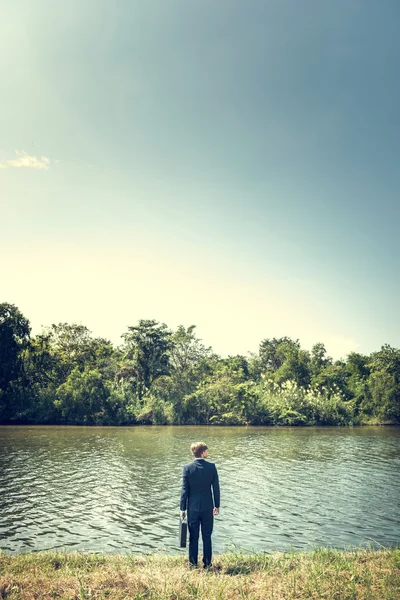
x=323, y=573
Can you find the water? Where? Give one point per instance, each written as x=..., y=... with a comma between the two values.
x=117, y=489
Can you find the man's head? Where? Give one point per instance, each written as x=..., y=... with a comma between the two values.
x=199, y=450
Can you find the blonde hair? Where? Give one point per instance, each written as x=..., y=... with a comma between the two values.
x=198, y=448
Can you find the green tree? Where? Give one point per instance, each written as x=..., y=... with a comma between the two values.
x=295, y=366
x=41, y=382
x=283, y=360
x=189, y=361
x=72, y=346
x=273, y=352
x=145, y=355
x=384, y=383
x=50, y=358
x=83, y=398
x=225, y=397
x=358, y=373
x=319, y=359
x=14, y=336
x=332, y=377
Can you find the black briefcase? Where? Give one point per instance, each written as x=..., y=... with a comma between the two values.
x=182, y=532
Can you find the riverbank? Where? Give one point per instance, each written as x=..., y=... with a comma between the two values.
x=370, y=422
x=323, y=573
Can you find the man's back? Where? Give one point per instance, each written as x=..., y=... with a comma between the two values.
x=199, y=477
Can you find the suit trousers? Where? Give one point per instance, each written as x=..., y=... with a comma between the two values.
x=206, y=519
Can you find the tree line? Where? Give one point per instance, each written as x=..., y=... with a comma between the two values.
x=158, y=376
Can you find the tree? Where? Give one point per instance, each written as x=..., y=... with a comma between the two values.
x=357, y=366
x=82, y=399
x=190, y=361
x=295, y=366
x=384, y=382
x=319, y=359
x=146, y=354
x=239, y=366
x=14, y=336
x=332, y=377
x=50, y=358
x=358, y=388
x=226, y=396
x=273, y=352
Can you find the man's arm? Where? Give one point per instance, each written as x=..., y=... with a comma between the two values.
x=216, y=491
x=185, y=490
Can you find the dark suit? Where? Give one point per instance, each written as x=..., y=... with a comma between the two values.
x=198, y=478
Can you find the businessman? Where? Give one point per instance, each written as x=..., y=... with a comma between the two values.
x=198, y=478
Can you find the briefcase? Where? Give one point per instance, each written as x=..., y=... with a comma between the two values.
x=182, y=532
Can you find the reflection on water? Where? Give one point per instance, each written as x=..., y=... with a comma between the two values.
x=117, y=489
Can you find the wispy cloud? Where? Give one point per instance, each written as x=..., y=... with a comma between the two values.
x=25, y=160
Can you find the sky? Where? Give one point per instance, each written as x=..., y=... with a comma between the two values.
x=231, y=164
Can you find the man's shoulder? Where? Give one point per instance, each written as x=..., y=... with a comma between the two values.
x=188, y=465
x=193, y=463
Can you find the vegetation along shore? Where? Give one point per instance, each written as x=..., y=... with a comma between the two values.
x=158, y=376
x=323, y=573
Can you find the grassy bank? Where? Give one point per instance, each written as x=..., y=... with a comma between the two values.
x=363, y=574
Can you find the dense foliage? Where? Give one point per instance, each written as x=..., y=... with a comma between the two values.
x=159, y=376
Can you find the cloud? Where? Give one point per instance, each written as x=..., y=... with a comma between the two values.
x=24, y=160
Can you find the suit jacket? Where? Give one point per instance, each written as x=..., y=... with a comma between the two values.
x=198, y=478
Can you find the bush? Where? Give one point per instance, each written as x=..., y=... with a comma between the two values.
x=82, y=399
x=290, y=404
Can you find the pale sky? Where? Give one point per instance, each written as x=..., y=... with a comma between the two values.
x=228, y=164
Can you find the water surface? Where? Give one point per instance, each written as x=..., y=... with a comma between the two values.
x=116, y=489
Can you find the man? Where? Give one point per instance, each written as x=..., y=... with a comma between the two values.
x=198, y=478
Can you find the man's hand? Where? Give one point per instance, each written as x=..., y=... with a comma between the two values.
x=183, y=514
x=216, y=511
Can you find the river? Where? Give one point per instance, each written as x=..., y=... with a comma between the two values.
x=117, y=489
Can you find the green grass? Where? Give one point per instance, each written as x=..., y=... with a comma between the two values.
x=323, y=573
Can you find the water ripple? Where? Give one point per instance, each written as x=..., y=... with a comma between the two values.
x=117, y=489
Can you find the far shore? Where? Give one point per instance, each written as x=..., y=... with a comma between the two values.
x=210, y=425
